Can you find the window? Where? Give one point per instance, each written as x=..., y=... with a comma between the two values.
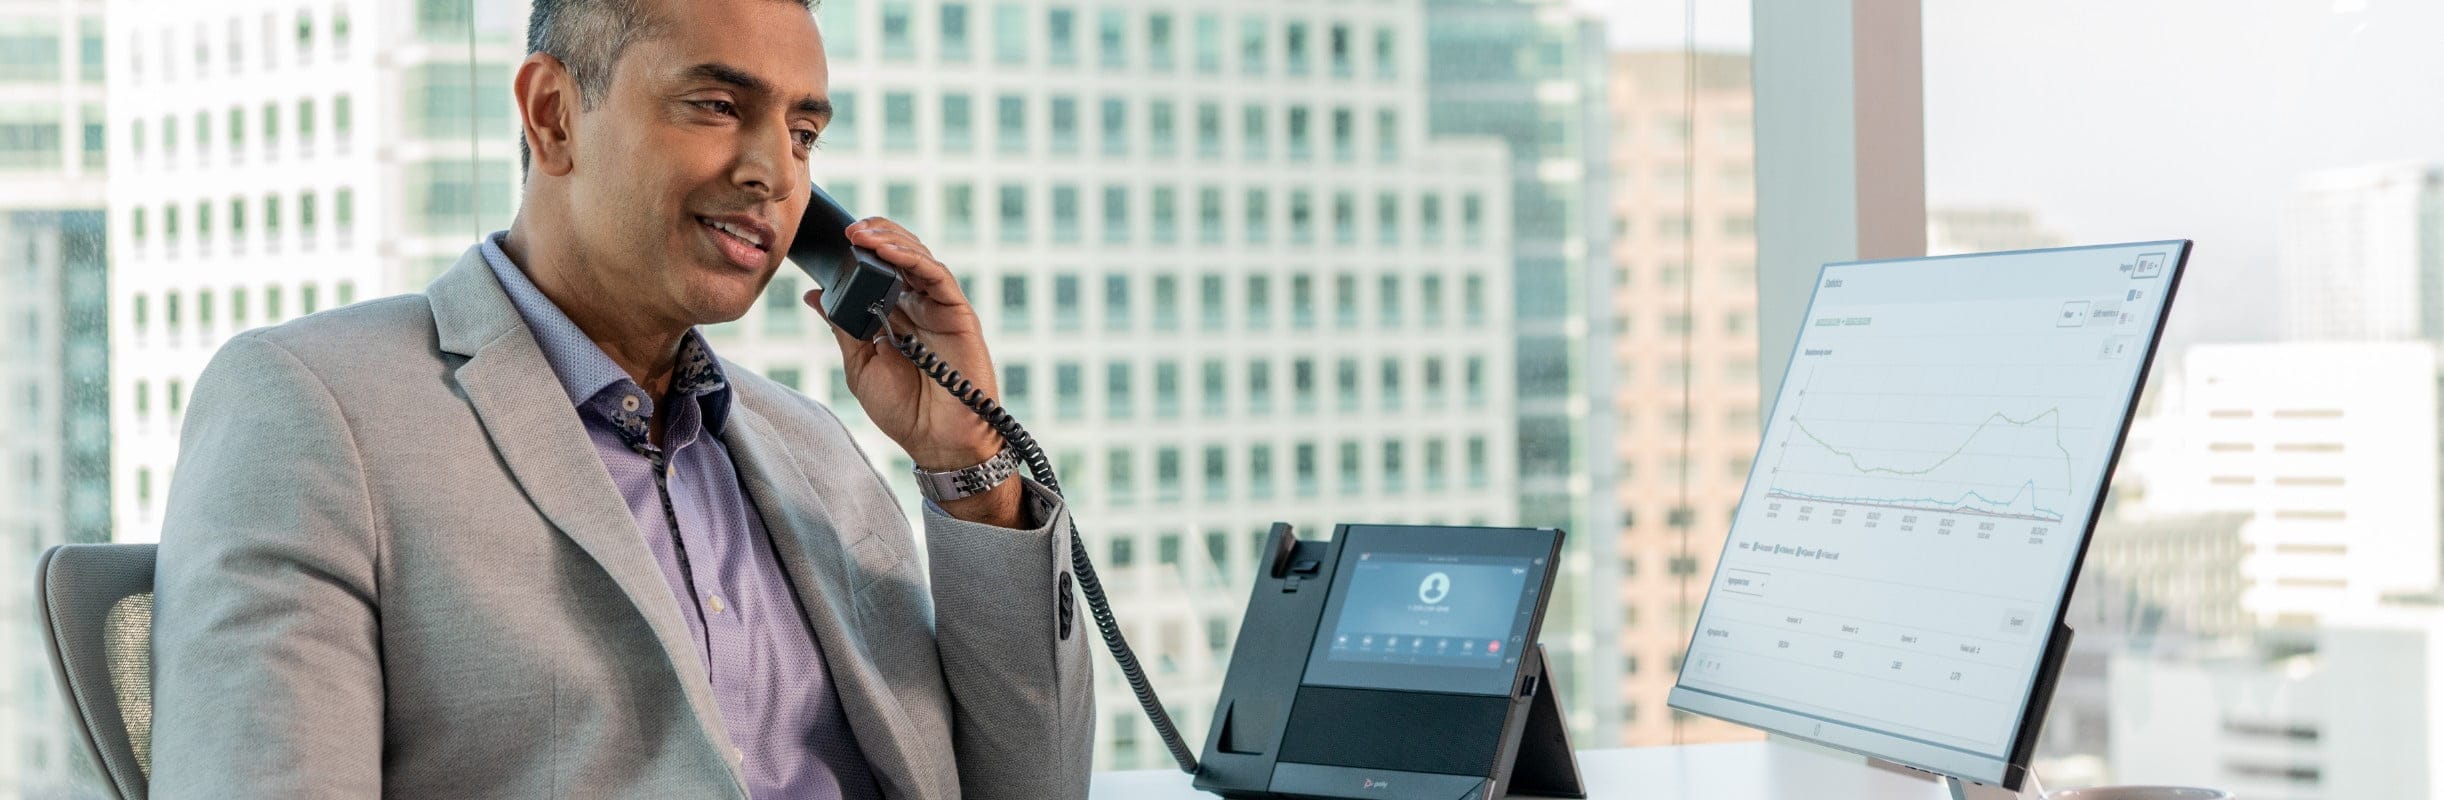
x=1387, y=136
x=1115, y=126
x=1069, y=384
x=1009, y=33
x=1065, y=213
x=1387, y=298
x=959, y=212
x=1294, y=49
x=1217, y=488
x=1353, y=468
x=1010, y=123
x=1162, y=132
x=1116, y=302
x=1387, y=59
x=1115, y=214
x=1305, y=468
x=1260, y=387
x=1260, y=472
x=1120, y=472
x=1166, y=302
x=1209, y=130
x=1387, y=218
x=899, y=121
x=1014, y=302
x=1013, y=213
x=838, y=20
x=1112, y=38
x=1344, y=218
x=1252, y=55
x=1158, y=41
x=1345, y=301
x=1340, y=51
x=1303, y=384
x=1392, y=399
x=1301, y=144
x=1216, y=387
x=1167, y=488
x=958, y=122
x=1065, y=302
x=1302, y=302
x=1209, y=43
x=1209, y=215
x=1061, y=36
x=1167, y=389
x=952, y=17
x=1345, y=384
x=1302, y=217
x=899, y=30
x=1259, y=302
x=1210, y=302
x=1065, y=125
x=1259, y=213
x=1119, y=391
x=1166, y=215
x=1255, y=135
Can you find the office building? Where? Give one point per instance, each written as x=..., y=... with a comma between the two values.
x=2329, y=447
x=1985, y=229
x=1228, y=274
x=2352, y=711
x=54, y=381
x=269, y=160
x=1685, y=379
x=2362, y=254
x=1532, y=73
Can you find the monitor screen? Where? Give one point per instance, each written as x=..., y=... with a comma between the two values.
x=1921, y=498
x=1413, y=613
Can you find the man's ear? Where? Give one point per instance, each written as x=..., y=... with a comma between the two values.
x=548, y=103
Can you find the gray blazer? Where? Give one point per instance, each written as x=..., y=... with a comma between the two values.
x=393, y=563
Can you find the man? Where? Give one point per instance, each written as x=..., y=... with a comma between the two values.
x=524, y=536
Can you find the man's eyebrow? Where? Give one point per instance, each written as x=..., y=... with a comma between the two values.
x=724, y=73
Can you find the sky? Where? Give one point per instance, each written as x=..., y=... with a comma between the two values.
x=2118, y=120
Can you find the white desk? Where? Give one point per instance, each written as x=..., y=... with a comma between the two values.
x=1744, y=771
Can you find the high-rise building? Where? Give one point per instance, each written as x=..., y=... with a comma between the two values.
x=1685, y=350
x=2362, y=254
x=1986, y=229
x=269, y=160
x=2328, y=446
x=1228, y=275
x=54, y=346
x=1532, y=73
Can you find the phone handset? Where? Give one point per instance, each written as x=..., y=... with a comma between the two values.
x=859, y=291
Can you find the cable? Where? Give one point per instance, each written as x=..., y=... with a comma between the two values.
x=1038, y=464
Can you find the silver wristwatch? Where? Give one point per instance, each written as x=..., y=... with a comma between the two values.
x=942, y=487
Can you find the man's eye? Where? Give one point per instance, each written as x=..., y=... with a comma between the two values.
x=805, y=138
x=722, y=107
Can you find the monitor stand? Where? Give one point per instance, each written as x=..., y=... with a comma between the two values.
x=1971, y=790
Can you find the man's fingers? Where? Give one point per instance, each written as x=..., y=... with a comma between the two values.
x=855, y=353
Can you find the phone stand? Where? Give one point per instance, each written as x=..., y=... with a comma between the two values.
x=1545, y=766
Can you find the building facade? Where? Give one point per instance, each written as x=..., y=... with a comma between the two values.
x=54, y=348
x=2328, y=446
x=1685, y=357
x=1532, y=73
x=1986, y=229
x=270, y=160
x=2361, y=255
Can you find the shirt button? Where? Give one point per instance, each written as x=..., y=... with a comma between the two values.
x=738, y=755
x=718, y=606
x=628, y=402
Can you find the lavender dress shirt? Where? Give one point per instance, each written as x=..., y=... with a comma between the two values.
x=768, y=675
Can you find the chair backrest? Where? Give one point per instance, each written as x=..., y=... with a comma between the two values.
x=96, y=604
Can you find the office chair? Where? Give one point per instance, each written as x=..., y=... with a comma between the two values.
x=96, y=605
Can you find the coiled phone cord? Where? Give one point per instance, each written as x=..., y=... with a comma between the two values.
x=1097, y=605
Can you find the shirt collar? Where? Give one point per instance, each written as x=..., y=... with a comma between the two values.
x=585, y=372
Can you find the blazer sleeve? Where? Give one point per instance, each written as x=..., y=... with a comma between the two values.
x=267, y=669
x=1021, y=682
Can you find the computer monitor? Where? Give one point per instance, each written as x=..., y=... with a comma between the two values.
x=1896, y=572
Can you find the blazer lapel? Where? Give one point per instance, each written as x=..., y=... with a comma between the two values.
x=538, y=435
x=813, y=552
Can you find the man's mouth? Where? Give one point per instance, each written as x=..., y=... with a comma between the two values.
x=743, y=234
x=743, y=241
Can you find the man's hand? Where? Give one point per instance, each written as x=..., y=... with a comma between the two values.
x=938, y=432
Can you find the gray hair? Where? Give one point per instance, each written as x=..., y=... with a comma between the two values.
x=588, y=36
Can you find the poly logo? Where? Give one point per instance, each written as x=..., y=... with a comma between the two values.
x=1434, y=588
